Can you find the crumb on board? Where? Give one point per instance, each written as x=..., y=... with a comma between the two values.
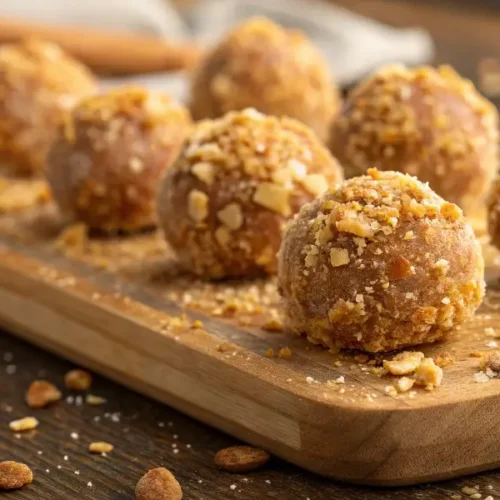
x=78, y=380
x=101, y=447
x=93, y=400
x=24, y=424
x=42, y=393
x=241, y=459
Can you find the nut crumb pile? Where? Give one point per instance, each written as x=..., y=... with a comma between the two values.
x=237, y=181
x=379, y=263
x=261, y=65
x=427, y=122
x=109, y=156
x=38, y=83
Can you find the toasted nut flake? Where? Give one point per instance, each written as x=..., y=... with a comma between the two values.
x=223, y=236
x=101, y=447
x=404, y=363
x=198, y=324
x=400, y=268
x=158, y=484
x=404, y=384
x=24, y=424
x=197, y=205
x=273, y=325
x=241, y=459
x=231, y=215
x=94, y=400
x=315, y=184
x=14, y=475
x=73, y=238
x=428, y=374
x=270, y=352
x=41, y=393
x=273, y=197
x=78, y=380
x=339, y=257
x=285, y=353
x=204, y=171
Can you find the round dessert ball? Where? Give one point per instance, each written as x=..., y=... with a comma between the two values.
x=379, y=263
x=264, y=66
x=236, y=182
x=38, y=83
x=106, y=163
x=426, y=122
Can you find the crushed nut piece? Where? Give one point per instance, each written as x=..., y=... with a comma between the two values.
x=101, y=447
x=404, y=363
x=41, y=393
x=14, y=475
x=270, y=352
x=78, y=380
x=198, y=205
x=493, y=362
x=94, y=400
x=285, y=353
x=404, y=384
x=158, y=484
x=241, y=459
x=428, y=374
x=339, y=257
x=273, y=325
x=273, y=197
x=231, y=215
x=24, y=424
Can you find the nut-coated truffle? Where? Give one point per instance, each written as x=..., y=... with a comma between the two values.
x=264, y=66
x=236, y=182
x=426, y=122
x=110, y=154
x=379, y=263
x=38, y=82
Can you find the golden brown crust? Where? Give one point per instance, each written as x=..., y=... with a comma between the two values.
x=110, y=154
x=378, y=264
x=38, y=82
x=261, y=65
x=427, y=122
x=236, y=182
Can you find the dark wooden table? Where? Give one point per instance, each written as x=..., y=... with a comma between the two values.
x=147, y=434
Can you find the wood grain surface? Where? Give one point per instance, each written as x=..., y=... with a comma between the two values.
x=143, y=438
x=220, y=373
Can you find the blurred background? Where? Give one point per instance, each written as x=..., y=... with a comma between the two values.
x=356, y=36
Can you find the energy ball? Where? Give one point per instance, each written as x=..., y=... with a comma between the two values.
x=236, y=182
x=38, y=82
x=379, y=263
x=264, y=66
x=105, y=166
x=426, y=122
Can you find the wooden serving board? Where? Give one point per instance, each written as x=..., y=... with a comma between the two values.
x=121, y=307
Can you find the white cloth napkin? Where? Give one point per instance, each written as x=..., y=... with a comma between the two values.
x=352, y=44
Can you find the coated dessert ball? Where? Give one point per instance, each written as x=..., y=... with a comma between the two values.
x=426, y=122
x=38, y=82
x=493, y=208
x=264, y=66
x=236, y=182
x=379, y=263
x=105, y=166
